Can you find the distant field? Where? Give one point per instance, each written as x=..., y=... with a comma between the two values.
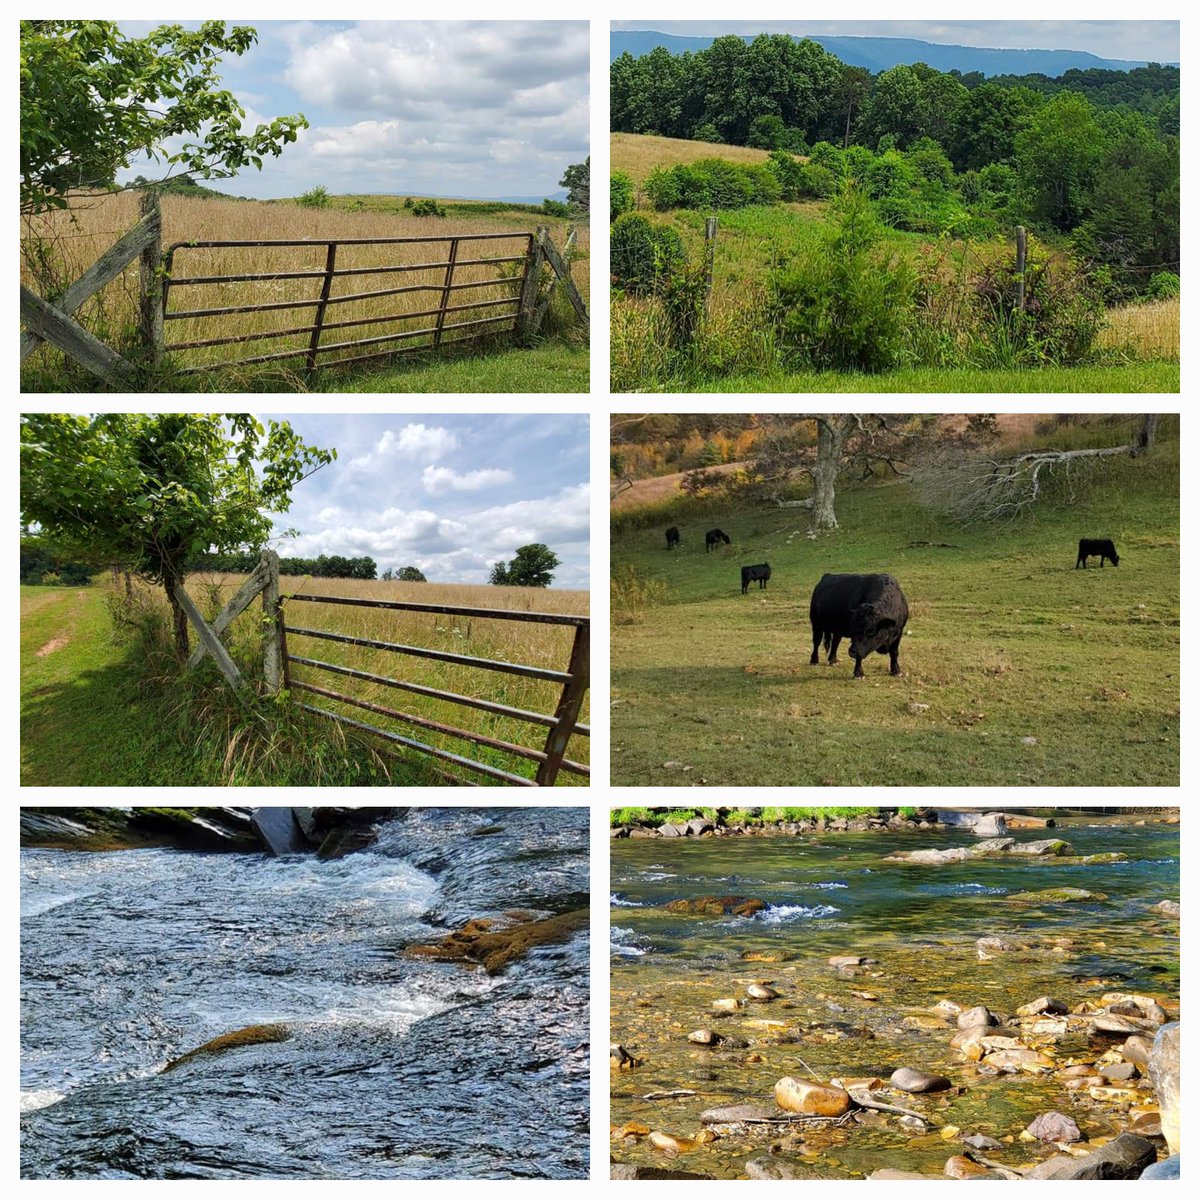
x=76, y=678
x=638, y=154
x=1018, y=669
x=99, y=221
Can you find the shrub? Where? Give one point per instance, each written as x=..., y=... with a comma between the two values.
x=845, y=304
x=427, y=207
x=620, y=195
x=1164, y=285
x=552, y=208
x=823, y=154
x=644, y=256
x=712, y=183
x=707, y=132
x=767, y=132
x=632, y=595
x=316, y=197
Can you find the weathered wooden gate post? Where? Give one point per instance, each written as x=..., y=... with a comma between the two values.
x=1020, y=268
x=150, y=303
x=569, y=704
x=526, y=309
x=710, y=249
x=271, y=624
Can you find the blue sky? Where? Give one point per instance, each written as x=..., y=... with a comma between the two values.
x=1154, y=41
x=454, y=108
x=450, y=494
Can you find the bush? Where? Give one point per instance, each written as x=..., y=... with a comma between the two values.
x=643, y=257
x=316, y=197
x=632, y=595
x=427, y=207
x=712, y=183
x=845, y=305
x=707, y=132
x=767, y=132
x=620, y=195
x=551, y=208
x=1163, y=286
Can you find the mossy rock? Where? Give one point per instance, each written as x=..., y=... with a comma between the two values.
x=252, y=1035
x=494, y=946
x=1059, y=895
x=719, y=906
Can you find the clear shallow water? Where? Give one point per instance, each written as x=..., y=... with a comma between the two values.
x=397, y=1068
x=834, y=894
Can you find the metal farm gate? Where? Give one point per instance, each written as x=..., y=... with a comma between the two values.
x=444, y=319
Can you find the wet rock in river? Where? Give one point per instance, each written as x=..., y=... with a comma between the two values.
x=990, y=825
x=1131, y=1004
x=252, y=1035
x=959, y=1166
x=1120, y=1072
x=732, y=1114
x=1113, y=1024
x=1167, y=1169
x=760, y=991
x=988, y=947
x=896, y=1173
x=765, y=1166
x=1164, y=1075
x=719, y=906
x=340, y=842
x=1043, y=1005
x=979, y=1015
x=630, y=1171
x=910, y=1079
x=727, y=1005
x=494, y=945
x=699, y=825
x=981, y=1141
x=1125, y=1157
x=704, y=1037
x=1029, y=1062
x=1059, y=895
x=812, y=1099
x=1054, y=1127
x=930, y=858
x=1168, y=908
x=673, y=1144
x=1048, y=846
x=1136, y=1049
x=993, y=845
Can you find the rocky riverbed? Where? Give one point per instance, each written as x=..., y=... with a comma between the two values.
x=190, y=1013
x=843, y=1005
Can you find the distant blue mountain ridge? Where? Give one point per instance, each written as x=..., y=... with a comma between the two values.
x=881, y=53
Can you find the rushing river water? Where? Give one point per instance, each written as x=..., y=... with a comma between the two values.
x=397, y=1068
x=833, y=894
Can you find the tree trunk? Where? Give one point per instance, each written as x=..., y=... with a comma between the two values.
x=830, y=438
x=1145, y=439
x=179, y=621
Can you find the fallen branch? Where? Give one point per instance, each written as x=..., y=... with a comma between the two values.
x=863, y=1099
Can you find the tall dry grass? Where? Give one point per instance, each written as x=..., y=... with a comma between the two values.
x=71, y=240
x=1148, y=331
x=637, y=154
x=522, y=642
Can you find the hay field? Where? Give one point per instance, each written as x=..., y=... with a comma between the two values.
x=509, y=641
x=77, y=237
x=637, y=154
x=1149, y=330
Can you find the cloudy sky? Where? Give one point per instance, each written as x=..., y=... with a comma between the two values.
x=448, y=108
x=450, y=494
x=1154, y=41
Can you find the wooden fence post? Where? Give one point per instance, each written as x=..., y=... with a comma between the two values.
x=150, y=300
x=710, y=249
x=569, y=704
x=272, y=637
x=452, y=258
x=1020, y=268
x=529, y=286
x=310, y=363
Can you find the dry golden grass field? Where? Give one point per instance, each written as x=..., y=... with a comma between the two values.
x=74, y=239
x=1150, y=330
x=521, y=642
x=638, y=154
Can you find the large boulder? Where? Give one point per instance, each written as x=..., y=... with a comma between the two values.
x=1167, y=1169
x=718, y=906
x=1125, y=1157
x=1055, y=847
x=811, y=1099
x=280, y=831
x=990, y=825
x=1164, y=1074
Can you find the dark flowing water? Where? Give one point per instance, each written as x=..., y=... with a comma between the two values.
x=833, y=894
x=397, y=1068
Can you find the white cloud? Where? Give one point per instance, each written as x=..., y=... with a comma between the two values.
x=439, y=480
x=410, y=443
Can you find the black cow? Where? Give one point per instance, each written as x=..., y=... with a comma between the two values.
x=714, y=537
x=761, y=572
x=868, y=609
x=1090, y=547
x=672, y=538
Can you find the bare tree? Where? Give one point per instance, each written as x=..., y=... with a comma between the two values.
x=995, y=487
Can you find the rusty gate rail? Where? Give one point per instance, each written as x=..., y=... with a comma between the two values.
x=446, y=289
x=560, y=726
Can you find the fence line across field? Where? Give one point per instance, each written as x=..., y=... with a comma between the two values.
x=560, y=726
x=448, y=323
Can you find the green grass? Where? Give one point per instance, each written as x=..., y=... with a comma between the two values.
x=1006, y=641
x=1130, y=377
x=91, y=717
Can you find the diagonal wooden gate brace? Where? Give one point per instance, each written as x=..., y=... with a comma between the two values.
x=264, y=579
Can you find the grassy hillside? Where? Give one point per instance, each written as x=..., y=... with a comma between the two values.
x=99, y=708
x=638, y=154
x=1018, y=669
x=59, y=246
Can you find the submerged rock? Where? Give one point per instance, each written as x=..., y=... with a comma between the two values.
x=959, y=1166
x=731, y=1114
x=1051, y=846
x=1054, y=1127
x=980, y=1141
x=719, y=906
x=813, y=1099
x=1168, y=908
x=1059, y=895
x=910, y=1079
x=252, y=1035
x=494, y=946
x=760, y=991
x=766, y=1166
x=630, y=1171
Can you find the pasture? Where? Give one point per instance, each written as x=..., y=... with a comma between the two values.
x=1018, y=669
x=736, y=349
x=131, y=724
x=60, y=245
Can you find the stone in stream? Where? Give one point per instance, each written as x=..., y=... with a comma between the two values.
x=812, y=1099
x=731, y=1114
x=1131, y=1004
x=280, y=831
x=669, y=829
x=1059, y=895
x=1167, y=1169
x=931, y=858
x=1125, y=1157
x=1049, y=846
x=1054, y=1127
x=1119, y=1072
x=988, y=947
x=843, y=961
x=727, y=1005
x=1136, y=1049
x=760, y=991
x=1030, y=1062
x=704, y=1037
x=719, y=906
x=909, y=1079
x=698, y=825
x=1111, y=1023
x=1164, y=1075
x=1168, y=908
x=252, y=1035
x=979, y=1015
x=1043, y=1005
x=990, y=825
x=672, y=1144
x=981, y=1141
x=766, y=1166
x=959, y=1166
x=340, y=842
x=630, y=1171
x=993, y=845
x=896, y=1173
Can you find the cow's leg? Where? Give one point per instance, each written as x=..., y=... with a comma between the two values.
x=812, y=662
x=894, y=655
x=834, y=642
x=858, y=671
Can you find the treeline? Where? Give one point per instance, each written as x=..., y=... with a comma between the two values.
x=43, y=563
x=327, y=566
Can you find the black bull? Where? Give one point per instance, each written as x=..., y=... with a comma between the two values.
x=870, y=610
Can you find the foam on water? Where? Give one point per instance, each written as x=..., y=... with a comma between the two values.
x=616, y=900
x=40, y=1098
x=624, y=942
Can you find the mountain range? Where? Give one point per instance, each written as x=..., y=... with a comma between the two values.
x=882, y=53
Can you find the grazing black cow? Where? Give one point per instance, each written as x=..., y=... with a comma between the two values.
x=1091, y=547
x=868, y=609
x=714, y=537
x=761, y=572
x=672, y=538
